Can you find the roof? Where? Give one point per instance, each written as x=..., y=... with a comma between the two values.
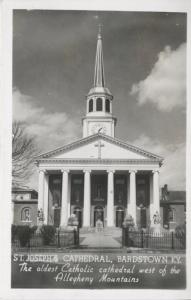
x=22, y=189
x=31, y=201
x=99, y=76
x=97, y=136
x=174, y=197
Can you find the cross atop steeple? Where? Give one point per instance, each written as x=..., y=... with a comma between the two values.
x=99, y=77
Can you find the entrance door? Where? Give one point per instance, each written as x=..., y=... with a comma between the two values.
x=99, y=190
x=98, y=214
x=119, y=216
x=78, y=213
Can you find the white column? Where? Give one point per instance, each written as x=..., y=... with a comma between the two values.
x=132, y=207
x=87, y=200
x=156, y=200
x=94, y=104
x=41, y=190
x=110, y=199
x=103, y=99
x=64, y=205
x=45, y=203
x=151, y=197
x=69, y=194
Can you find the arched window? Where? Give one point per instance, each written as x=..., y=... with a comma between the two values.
x=99, y=104
x=25, y=214
x=171, y=214
x=107, y=105
x=91, y=105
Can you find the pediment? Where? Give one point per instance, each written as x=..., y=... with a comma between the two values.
x=99, y=146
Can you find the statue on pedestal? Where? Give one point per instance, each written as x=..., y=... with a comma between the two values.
x=40, y=217
x=72, y=222
x=99, y=226
x=156, y=218
x=156, y=223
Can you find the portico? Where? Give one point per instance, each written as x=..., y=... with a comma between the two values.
x=99, y=191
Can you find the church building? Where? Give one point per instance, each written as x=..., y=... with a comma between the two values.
x=99, y=176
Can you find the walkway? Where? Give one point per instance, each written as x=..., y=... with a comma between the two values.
x=104, y=239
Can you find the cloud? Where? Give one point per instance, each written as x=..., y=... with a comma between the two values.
x=50, y=129
x=172, y=171
x=165, y=86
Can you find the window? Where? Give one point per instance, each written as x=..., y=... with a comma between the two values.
x=99, y=104
x=171, y=214
x=107, y=105
x=91, y=105
x=25, y=215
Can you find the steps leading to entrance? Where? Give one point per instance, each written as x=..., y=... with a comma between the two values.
x=109, y=237
x=106, y=230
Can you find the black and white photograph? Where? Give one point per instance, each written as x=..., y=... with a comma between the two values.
x=99, y=196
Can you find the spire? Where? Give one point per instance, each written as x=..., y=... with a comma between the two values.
x=99, y=78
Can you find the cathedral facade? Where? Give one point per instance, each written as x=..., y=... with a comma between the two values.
x=99, y=176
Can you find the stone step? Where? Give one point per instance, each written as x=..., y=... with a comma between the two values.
x=106, y=230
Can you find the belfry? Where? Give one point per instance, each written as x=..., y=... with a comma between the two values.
x=99, y=176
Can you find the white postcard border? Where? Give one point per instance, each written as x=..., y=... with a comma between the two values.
x=6, y=120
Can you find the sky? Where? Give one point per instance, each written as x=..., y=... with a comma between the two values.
x=145, y=70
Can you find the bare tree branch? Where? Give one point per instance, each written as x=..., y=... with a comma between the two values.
x=24, y=148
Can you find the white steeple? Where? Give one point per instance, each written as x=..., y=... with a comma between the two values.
x=99, y=77
x=99, y=100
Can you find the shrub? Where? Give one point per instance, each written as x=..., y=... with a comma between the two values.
x=180, y=230
x=48, y=233
x=23, y=233
x=180, y=233
x=73, y=221
x=13, y=232
x=128, y=222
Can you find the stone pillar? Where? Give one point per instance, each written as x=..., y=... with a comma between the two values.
x=110, y=199
x=156, y=200
x=87, y=199
x=41, y=190
x=132, y=208
x=45, y=206
x=151, y=210
x=64, y=205
x=69, y=195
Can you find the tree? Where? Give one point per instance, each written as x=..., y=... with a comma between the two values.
x=24, y=148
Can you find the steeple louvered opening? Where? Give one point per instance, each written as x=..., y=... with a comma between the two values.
x=90, y=105
x=107, y=105
x=99, y=104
